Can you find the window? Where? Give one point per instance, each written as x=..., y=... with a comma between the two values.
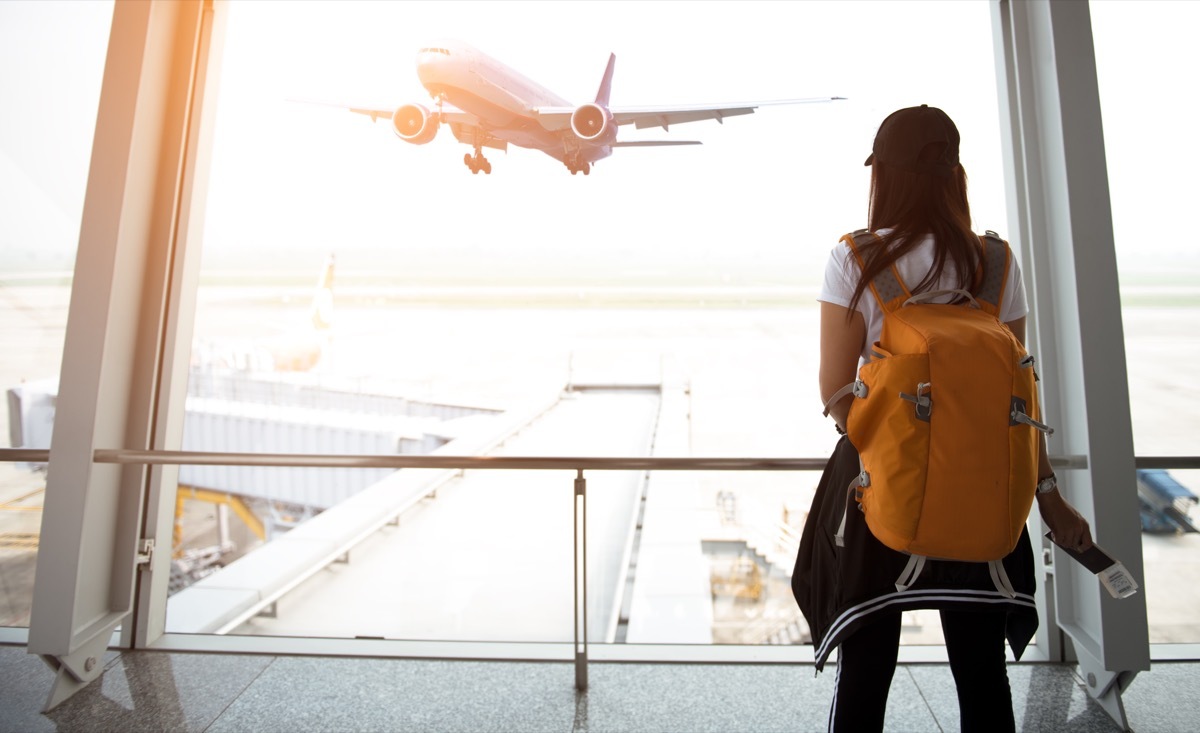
x=51, y=63
x=665, y=304
x=1143, y=51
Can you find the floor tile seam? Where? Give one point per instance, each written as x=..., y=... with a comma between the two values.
x=238, y=695
x=921, y=694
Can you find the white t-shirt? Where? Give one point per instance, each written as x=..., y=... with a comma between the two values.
x=842, y=273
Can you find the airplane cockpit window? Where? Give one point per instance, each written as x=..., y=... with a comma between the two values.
x=442, y=51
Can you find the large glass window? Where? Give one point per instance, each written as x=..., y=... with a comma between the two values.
x=363, y=294
x=1143, y=53
x=51, y=62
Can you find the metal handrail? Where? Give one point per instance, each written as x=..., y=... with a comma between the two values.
x=306, y=460
x=24, y=455
x=1167, y=462
x=591, y=463
x=312, y=460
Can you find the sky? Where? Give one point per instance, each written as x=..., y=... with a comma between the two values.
x=778, y=187
x=774, y=189
x=51, y=62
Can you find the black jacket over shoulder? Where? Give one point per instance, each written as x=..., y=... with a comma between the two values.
x=840, y=588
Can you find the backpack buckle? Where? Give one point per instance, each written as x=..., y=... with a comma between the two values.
x=1019, y=416
x=922, y=400
x=1029, y=363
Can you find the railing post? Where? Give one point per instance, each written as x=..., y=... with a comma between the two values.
x=580, y=506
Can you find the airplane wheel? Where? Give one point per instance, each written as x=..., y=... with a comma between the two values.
x=574, y=171
x=474, y=170
x=487, y=167
x=468, y=160
x=587, y=169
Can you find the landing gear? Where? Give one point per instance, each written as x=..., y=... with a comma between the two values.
x=477, y=162
x=576, y=166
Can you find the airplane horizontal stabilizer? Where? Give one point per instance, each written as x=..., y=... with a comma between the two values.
x=654, y=143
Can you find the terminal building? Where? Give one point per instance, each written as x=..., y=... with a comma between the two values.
x=427, y=505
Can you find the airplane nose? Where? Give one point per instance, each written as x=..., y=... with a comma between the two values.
x=429, y=63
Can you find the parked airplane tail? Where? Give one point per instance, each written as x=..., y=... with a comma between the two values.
x=300, y=341
x=606, y=83
x=322, y=305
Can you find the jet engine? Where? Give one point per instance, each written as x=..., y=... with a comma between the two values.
x=594, y=124
x=414, y=124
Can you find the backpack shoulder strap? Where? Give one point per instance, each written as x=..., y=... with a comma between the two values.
x=888, y=288
x=994, y=267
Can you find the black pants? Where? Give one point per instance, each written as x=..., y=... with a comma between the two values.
x=975, y=645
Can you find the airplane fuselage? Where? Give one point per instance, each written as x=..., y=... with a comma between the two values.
x=501, y=98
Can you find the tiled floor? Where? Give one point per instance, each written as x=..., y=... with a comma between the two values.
x=156, y=691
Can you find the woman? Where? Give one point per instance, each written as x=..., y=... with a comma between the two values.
x=918, y=209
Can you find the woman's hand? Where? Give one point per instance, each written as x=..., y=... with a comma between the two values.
x=1067, y=526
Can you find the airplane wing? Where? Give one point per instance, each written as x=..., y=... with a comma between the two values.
x=464, y=125
x=653, y=143
x=449, y=112
x=373, y=112
x=559, y=118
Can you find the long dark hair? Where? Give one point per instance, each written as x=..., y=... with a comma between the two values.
x=913, y=205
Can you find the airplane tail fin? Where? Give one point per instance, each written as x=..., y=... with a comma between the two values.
x=606, y=82
x=322, y=305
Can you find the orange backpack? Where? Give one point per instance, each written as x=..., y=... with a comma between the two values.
x=945, y=421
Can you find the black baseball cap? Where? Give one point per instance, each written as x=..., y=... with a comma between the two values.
x=917, y=139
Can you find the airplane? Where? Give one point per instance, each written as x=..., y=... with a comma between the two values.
x=304, y=346
x=489, y=105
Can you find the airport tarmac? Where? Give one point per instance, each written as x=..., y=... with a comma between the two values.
x=750, y=372
x=491, y=553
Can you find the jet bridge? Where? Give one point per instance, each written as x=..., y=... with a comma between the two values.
x=491, y=554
